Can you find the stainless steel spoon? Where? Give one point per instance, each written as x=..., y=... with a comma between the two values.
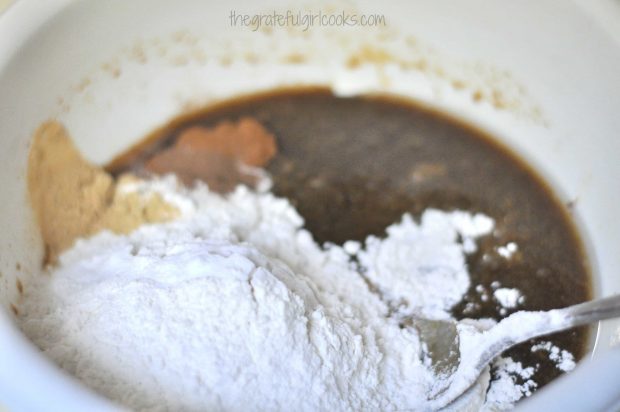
x=459, y=362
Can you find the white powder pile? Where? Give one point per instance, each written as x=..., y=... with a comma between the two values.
x=427, y=255
x=507, y=250
x=508, y=298
x=563, y=359
x=511, y=381
x=234, y=306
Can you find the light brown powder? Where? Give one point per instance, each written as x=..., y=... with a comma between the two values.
x=73, y=198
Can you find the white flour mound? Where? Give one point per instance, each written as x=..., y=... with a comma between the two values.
x=234, y=306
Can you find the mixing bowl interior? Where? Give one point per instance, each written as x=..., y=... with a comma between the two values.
x=113, y=71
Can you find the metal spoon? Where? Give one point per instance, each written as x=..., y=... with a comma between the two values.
x=459, y=362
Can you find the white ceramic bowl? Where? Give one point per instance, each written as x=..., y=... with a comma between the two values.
x=541, y=75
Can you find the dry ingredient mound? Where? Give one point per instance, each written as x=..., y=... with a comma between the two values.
x=72, y=198
x=165, y=298
x=234, y=306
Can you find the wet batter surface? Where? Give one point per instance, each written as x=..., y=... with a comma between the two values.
x=353, y=166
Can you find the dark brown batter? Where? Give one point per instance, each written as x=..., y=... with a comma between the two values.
x=353, y=166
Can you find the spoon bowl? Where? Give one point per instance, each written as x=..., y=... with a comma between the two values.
x=460, y=352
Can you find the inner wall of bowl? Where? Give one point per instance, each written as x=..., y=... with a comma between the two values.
x=113, y=72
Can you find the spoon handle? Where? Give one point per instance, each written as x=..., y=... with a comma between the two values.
x=594, y=310
x=513, y=331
